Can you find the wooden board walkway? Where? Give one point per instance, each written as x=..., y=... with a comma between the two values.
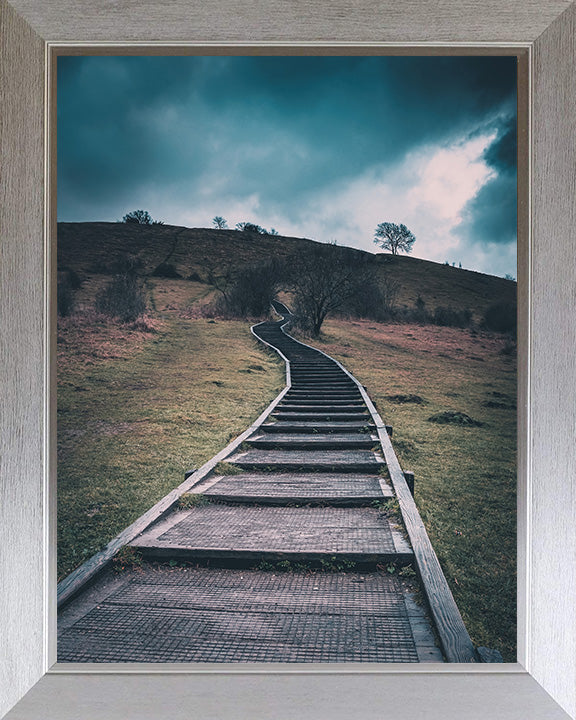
x=202, y=615
x=305, y=501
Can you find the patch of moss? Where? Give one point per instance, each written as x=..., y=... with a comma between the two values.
x=452, y=417
x=405, y=399
x=186, y=501
x=225, y=468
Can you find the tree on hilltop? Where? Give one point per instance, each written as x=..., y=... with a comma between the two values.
x=140, y=217
x=396, y=238
x=219, y=222
x=249, y=227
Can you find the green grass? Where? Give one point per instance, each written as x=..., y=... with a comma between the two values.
x=465, y=476
x=187, y=501
x=137, y=409
x=226, y=468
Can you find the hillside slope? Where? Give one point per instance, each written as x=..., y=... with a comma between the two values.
x=93, y=248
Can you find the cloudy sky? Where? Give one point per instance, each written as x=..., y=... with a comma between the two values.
x=319, y=147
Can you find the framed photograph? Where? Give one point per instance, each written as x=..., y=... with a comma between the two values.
x=158, y=372
x=541, y=683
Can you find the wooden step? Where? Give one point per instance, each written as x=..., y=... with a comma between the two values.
x=307, y=374
x=304, y=395
x=337, y=382
x=252, y=533
x=308, y=460
x=317, y=416
x=322, y=402
x=324, y=408
x=314, y=441
x=320, y=388
x=320, y=426
x=217, y=615
x=299, y=488
x=313, y=367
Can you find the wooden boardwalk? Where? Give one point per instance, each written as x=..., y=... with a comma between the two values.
x=296, y=554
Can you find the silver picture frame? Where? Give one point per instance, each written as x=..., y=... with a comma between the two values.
x=542, y=685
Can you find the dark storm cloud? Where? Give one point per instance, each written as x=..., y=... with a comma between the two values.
x=502, y=153
x=491, y=216
x=110, y=132
x=221, y=129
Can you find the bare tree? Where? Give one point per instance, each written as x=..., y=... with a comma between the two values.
x=323, y=279
x=219, y=222
x=219, y=274
x=396, y=238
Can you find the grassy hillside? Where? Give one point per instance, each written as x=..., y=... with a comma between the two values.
x=141, y=402
x=92, y=248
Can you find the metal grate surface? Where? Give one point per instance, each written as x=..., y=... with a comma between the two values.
x=322, y=485
x=200, y=615
x=282, y=529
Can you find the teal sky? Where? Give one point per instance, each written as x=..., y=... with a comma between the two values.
x=320, y=147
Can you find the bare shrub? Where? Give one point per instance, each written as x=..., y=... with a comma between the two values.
x=452, y=317
x=166, y=270
x=66, y=300
x=375, y=299
x=501, y=317
x=145, y=324
x=68, y=281
x=251, y=290
x=249, y=227
x=125, y=264
x=123, y=297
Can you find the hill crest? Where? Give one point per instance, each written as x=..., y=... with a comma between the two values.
x=92, y=247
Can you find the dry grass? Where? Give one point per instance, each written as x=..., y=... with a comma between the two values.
x=137, y=409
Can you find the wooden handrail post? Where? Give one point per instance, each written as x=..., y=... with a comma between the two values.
x=409, y=477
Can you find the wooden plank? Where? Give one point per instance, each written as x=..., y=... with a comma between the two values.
x=324, y=400
x=320, y=426
x=329, y=488
x=316, y=416
x=317, y=441
x=239, y=556
x=343, y=460
x=287, y=406
x=454, y=637
x=293, y=498
x=221, y=531
x=230, y=615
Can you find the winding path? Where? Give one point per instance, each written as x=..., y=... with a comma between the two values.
x=293, y=555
